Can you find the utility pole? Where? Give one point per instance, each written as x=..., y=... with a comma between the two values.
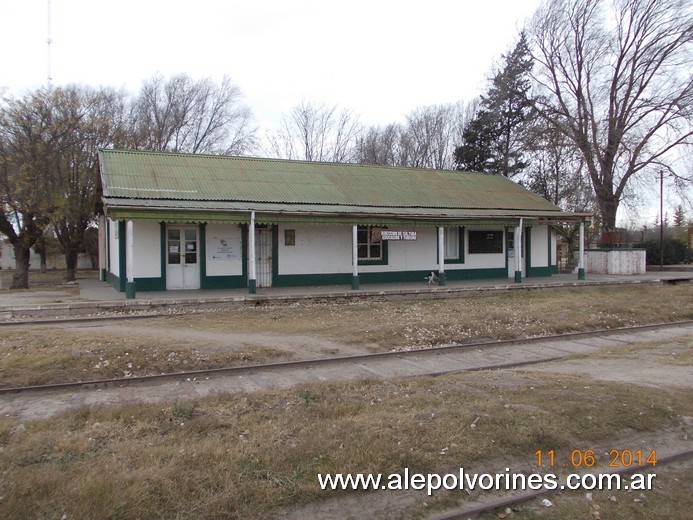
x=661, y=220
x=49, y=41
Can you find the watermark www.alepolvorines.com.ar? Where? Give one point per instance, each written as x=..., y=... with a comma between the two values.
x=505, y=481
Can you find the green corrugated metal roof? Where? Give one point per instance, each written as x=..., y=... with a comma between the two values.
x=195, y=182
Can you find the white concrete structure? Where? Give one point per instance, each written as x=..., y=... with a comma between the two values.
x=229, y=222
x=615, y=261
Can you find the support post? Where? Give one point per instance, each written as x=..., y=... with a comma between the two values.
x=518, y=253
x=581, y=260
x=441, y=256
x=129, y=260
x=102, y=247
x=355, y=284
x=252, y=277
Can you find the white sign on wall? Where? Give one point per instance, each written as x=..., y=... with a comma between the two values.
x=223, y=248
x=398, y=235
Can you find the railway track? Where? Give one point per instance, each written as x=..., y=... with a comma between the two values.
x=514, y=500
x=433, y=361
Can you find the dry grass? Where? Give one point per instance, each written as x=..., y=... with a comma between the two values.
x=41, y=356
x=34, y=356
x=415, y=324
x=250, y=456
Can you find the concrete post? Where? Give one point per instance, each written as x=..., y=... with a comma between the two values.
x=355, y=284
x=130, y=260
x=518, y=253
x=581, y=261
x=441, y=256
x=102, y=247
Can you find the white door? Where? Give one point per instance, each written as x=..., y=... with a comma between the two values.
x=263, y=256
x=183, y=271
x=510, y=245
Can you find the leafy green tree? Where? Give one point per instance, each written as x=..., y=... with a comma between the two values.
x=494, y=141
x=679, y=217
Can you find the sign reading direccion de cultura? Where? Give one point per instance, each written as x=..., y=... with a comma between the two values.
x=398, y=235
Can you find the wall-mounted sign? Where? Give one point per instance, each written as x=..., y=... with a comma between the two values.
x=398, y=235
x=222, y=248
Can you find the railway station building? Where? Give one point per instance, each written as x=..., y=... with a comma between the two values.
x=181, y=221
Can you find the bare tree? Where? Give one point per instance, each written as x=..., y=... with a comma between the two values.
x=182, y=115
x=431, y=133
x=426, y=140
x=316, y=132
x=29, y=150
x=615, y=79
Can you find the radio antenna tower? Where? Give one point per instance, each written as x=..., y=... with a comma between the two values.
x=49, y=42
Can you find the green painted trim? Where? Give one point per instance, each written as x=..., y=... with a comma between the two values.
x=505, y=246
x=122, y=256
x=528, y=252
x=252, y=286
x=541, y=271
x=275, y=252
x=299, y=280
x=130, y=290
x=306, y=280
x=202, y=254
x=581, y=274
x=490, y=273
x=164, y=265
x=355, y=283
x=150, y=284
x=113, y=280
x=518, y=276
x=224, y=282
x=442, y=278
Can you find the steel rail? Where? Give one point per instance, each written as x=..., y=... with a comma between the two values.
x=307, y=363
x=488, y=507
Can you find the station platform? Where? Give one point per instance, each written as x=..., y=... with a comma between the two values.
x=94, y=294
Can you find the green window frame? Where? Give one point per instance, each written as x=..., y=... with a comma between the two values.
x=371, y=248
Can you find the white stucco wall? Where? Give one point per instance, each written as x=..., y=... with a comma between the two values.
x=540, y=246
x=147, y=245
x=626, y=261
x=224, y=259
x=327, y=249
x=318, y=250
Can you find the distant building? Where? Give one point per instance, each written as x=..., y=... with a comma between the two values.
x=180, y=221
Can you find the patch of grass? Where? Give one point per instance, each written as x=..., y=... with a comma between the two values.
x=50, y=355
x=422, y=323
x=31, y=356
x=249, y=456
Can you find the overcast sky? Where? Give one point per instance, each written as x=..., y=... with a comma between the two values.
x=380, y=58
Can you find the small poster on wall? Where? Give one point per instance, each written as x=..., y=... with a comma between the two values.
x=222, y=248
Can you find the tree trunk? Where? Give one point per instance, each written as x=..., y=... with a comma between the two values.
x=609, y=207
x=71, y=257
x=20, y=280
